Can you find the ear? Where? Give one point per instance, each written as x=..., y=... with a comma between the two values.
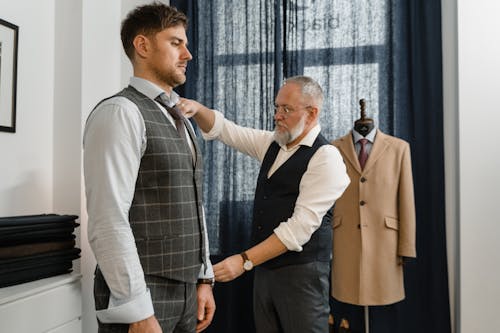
x=313, y=113
x=141, y=45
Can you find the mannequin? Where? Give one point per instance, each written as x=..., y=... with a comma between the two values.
x=363, y=125
x=374, y=220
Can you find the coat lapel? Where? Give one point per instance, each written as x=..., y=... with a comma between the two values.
x=347, y=147
x=379, y=146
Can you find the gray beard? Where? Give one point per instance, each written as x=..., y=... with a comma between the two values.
x=286, y=137
x=282, y=138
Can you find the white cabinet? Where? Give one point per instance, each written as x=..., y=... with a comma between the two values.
x=52, y=305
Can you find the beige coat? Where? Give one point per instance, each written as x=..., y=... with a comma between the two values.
x=373, y=223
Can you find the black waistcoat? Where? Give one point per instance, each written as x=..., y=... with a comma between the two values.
x=274, y=203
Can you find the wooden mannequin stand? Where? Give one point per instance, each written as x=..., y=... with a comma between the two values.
x=363, y=125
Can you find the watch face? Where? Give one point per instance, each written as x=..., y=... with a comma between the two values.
x=247, y=265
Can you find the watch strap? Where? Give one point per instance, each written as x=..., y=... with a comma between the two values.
x=210, y=281
x=244, y=256
x=247, y=263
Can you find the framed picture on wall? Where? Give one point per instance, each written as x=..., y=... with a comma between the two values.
x=8, y=75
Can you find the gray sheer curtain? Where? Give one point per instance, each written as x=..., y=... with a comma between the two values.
x=236, y=76
x=343, y=45
x=241, y=62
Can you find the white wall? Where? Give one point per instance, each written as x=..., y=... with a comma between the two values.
x=26, y=157
x=472, y=68
x=67, y=111
x=479, y=117
x=450, y=104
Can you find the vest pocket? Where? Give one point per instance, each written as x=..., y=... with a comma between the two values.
x=392, y=223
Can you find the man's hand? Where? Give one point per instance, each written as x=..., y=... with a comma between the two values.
x=204, y=117
x=190, y=107
x=229, y=268
x=206, y=306
x=148, y=325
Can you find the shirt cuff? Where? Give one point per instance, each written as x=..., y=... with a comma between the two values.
x=137, y=309
x=217, y=128
x=287, y=237
x=209, y=273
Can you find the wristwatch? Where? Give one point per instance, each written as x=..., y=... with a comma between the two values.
x=210, y=281
x=247, y=263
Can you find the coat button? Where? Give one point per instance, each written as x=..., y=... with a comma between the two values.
x=259, y=227
x=359, y=226
x=363, y=179
x=362, y=203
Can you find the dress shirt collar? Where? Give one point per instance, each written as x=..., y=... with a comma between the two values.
x=370, y=136
x=151, y=90
x=308, y=140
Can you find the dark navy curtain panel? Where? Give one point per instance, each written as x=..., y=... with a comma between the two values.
x=385, y=51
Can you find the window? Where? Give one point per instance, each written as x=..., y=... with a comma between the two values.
x=245, y=49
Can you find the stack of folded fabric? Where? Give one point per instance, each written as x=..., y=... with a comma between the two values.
x=36, y=246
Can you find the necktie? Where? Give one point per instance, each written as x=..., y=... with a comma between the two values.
x=175, y=113
x=363, y=155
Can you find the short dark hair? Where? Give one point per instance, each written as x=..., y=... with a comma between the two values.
x=149, y=20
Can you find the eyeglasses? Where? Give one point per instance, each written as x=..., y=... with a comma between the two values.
x=285, y=110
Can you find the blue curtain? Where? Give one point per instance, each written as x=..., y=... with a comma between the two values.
x=387, y=52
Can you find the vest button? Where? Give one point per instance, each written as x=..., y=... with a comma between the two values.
x=359, y=226
x=363, y=179
x=259, y=227
x=362, y=203
x=265, y=197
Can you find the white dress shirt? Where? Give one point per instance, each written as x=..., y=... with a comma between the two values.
x=323, y=182
x=368, y=146
x=114, y=143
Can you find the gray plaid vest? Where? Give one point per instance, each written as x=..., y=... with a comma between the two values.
x=166, y=211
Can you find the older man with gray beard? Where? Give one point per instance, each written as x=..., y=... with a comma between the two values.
x=300, y=178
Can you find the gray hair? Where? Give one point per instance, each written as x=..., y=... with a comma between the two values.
x=309, y=88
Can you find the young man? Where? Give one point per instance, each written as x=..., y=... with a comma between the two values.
x=300, y=178
x=143, y=178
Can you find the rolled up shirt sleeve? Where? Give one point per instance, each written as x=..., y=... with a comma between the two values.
x=206, y=271
x=321, y=185
x=133, y=310
x=216, y=130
